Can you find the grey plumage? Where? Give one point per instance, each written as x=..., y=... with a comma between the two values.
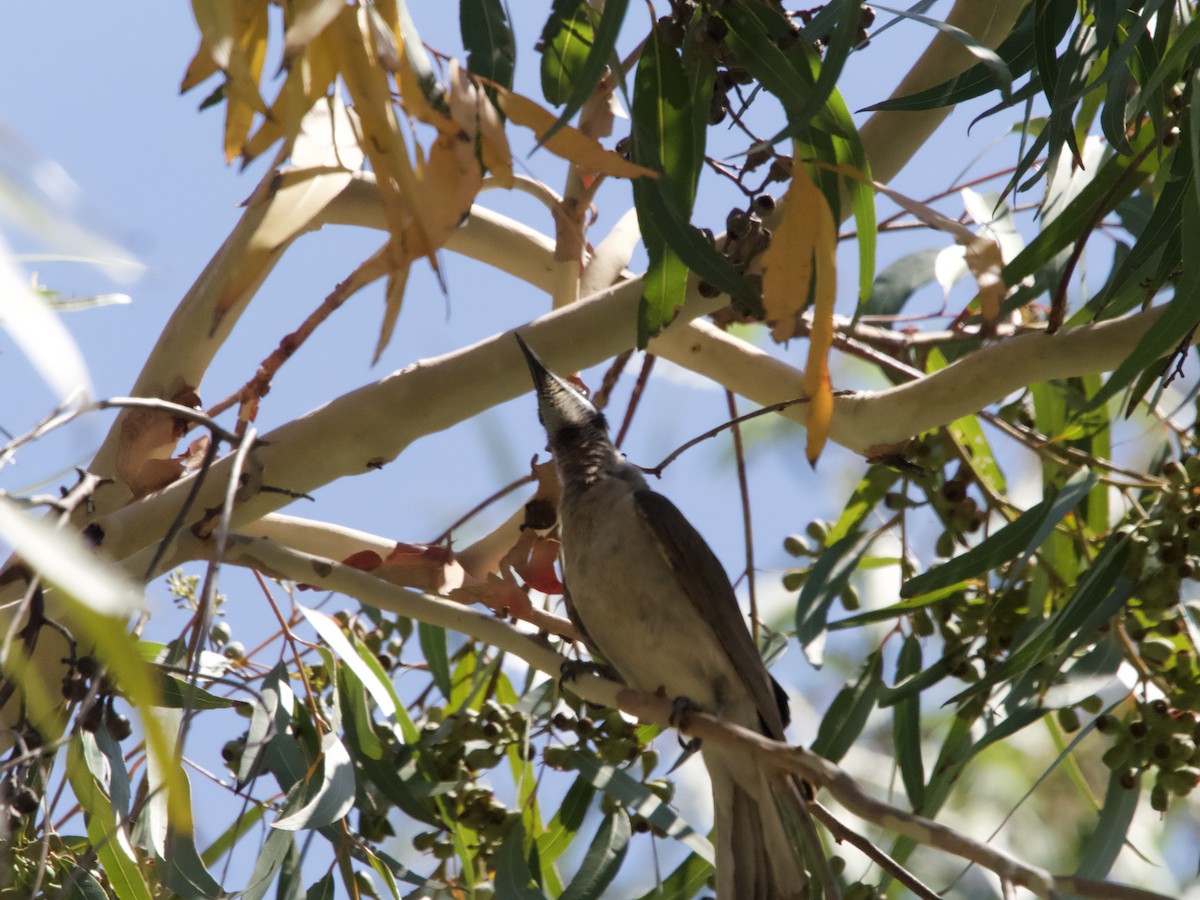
x=657, y=605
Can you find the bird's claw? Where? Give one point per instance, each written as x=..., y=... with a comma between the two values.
x=680, y=708
x=573, y=669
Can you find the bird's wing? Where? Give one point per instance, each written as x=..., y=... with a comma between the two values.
x=705, y=583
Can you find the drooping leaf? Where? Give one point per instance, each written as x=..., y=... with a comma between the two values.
x=600, y=55
x=433, y=647
x=567, y=40
x=668, y=137
x=569, y=143
x=906, y=725
x=323, y=802
x=825, y=583
x=639, y=799
x=1179, y=319
x=331, y=632
x=993, y=64
x=487, y=36
x=899, y=281
x=847, y=715
x=603, y=858
x=1106, y=842
x=514, y=874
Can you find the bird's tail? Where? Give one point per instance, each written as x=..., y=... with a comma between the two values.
x=766, y=842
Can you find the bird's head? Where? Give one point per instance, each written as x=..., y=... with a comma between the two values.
x=569, y=418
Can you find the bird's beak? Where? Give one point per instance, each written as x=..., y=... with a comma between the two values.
x=559, y=404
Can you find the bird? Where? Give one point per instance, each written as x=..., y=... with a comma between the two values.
x=652, y=599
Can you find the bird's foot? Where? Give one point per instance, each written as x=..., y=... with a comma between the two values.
x=680, y=708
x=573, y=669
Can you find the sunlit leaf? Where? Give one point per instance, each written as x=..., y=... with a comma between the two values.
x=569, y=143
x=333, y=797
x=567, y=41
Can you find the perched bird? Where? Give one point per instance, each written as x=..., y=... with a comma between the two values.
x=655, y=603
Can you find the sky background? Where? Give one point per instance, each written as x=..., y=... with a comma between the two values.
x=93, y=89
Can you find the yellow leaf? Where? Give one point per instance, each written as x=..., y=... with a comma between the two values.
x=474, y=114
x=199, y=69
x=983, y=255
x=569, y=143
x=305, y=19
x=395, y=294
x=802, y=261
x=399, y=186
x=236, y=37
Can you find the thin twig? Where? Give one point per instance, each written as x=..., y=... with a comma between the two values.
x=635, y=398
x=877, y=855
x=371, y=269
x=207, y=598
x=739, y=452
x=611, y=376
x=657, y=471
x=481, y=506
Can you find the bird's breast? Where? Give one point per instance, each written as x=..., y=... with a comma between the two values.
x=633, y=606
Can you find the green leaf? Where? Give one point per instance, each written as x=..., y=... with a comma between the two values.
x=991, y=61
x=246, y=820
x=1020, y=537
x=847, y=715
x=755, y=32
x=895, y=610
x=826, y=581
x=333, y=797
x=1016, y=52
x=487, y=37
x=640, y=800
x=668, y=137
x=603, y=858
x=335, y=638
x=105, y=834
x=270, y=720
x=1103, y=847
x=601, y=55
x=867, y=495
x=267, y=865
x=324, y=888
x=899, y=281
x=1177, y=321
x=433, y=646
x=567, y=39
x=178, y=694
x=182, y=871
x=689, y=877
x=1117, y=179
x=906, y=725
x=567, y=819
x=514, y=875
x=360, y=730
x=1096, y=599
x=918, y=683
